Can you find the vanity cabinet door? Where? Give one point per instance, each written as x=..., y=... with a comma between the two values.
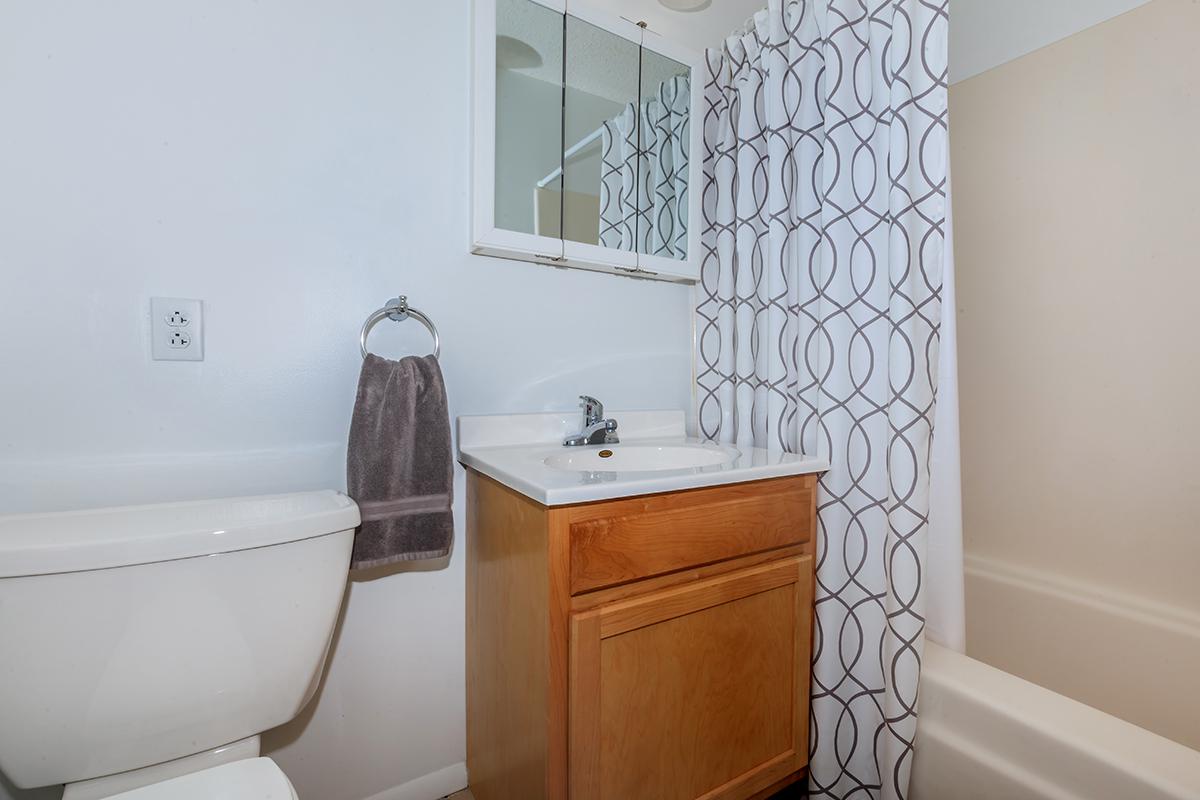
x=700, y=690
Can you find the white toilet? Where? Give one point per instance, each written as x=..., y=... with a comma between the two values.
x=143, y=649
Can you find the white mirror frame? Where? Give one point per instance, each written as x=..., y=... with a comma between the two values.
x=487, y=239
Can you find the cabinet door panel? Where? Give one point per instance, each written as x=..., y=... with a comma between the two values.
x=699, y=691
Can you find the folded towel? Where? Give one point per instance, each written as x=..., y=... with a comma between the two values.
x=399, y=468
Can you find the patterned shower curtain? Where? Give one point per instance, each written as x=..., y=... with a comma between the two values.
x=818, y=323
x=643, y=185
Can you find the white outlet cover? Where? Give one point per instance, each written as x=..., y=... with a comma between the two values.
x=173, y=319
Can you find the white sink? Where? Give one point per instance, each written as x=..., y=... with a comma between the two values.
x=525, y=452
x=641, y=458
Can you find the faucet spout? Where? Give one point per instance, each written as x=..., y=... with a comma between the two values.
x=596, y=429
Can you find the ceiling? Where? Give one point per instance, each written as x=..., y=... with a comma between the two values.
x=529, y=41
x=697, y=30
x=983, y=33
x=988, y=33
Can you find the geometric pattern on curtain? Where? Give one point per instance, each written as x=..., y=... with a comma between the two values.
x=818, y=320
x=643, y=188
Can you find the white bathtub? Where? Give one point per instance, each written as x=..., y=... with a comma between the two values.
x=1117, y=652
x=984, y=734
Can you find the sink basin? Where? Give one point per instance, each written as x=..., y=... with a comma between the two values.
x=524, y=452
x=640, y=458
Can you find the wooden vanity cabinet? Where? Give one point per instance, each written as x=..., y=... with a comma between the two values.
x=649, y=648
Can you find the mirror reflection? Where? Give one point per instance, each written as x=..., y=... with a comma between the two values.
x=529, y=64
x=592, y=134
x=600, y=135
x=662, y=162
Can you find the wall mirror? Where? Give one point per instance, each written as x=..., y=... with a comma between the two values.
x=528, y=135
x=665, y=147
x=582, y=140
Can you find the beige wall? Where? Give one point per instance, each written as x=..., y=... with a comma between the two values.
x=1077, y=211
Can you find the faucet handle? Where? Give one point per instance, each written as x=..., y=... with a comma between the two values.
x=593, y=409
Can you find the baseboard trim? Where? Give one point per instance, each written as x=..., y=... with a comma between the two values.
x=433, y=786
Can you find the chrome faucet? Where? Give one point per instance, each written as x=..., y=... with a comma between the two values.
x=596, y=429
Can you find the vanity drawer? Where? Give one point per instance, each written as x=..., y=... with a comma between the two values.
x=626, y=540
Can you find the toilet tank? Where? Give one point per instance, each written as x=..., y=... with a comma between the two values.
x=131, y=636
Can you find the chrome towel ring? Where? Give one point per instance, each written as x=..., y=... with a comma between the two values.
x=397, y=310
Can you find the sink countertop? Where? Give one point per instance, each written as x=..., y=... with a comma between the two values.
x=512, y=450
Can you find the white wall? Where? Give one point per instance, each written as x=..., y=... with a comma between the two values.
x=294, y=165
x=987, y=33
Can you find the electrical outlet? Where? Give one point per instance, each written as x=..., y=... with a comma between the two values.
x=176, y=329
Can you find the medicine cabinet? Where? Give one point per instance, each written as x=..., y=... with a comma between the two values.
x=586, y=137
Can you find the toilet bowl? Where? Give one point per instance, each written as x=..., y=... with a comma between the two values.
x=146, y=647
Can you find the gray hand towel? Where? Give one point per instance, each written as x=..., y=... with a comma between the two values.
x=399, y=468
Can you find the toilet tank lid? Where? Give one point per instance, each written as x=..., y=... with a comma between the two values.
x=74, y=541
x=250, y=779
